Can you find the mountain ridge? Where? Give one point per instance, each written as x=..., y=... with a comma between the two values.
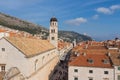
x=22, y=25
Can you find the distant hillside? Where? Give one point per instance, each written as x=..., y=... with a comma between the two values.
x=15, y=23
x=71, y=35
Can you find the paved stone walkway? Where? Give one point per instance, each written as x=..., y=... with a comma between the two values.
x=61, y=72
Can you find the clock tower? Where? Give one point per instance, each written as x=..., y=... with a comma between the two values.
x=53, y=31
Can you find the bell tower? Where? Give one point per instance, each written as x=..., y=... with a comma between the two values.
x=53, y=31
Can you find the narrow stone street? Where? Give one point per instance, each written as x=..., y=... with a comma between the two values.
x=61, y=71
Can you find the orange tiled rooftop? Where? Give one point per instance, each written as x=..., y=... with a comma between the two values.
x=30, y=46
x=93, y=49
x=2, y=30
x=98, y=61
x=62, y=44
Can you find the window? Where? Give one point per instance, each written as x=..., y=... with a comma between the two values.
x=43, y=59
x=75, y=70
x=53, y=31
x=36, y=64
x=3, y=49
x=90, y=78
x=118, y=68
x=90, y=71
x=53, y=38
x=48, y=54
x=75, y=78
x=105, y=72
x=105, y=61
x=118, y=78
x=2, y=68
x=90, y=61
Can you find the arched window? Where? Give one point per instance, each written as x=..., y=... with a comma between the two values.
x=43, y=59
x=52, y=30
x=36, y=64
x=48, y=55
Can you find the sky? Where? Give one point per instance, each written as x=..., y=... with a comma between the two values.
x=99, y=19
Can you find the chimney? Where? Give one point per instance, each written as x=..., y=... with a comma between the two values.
x=108, y=54
x=75, y=53
x=86, y=46
x=84, y=54
x=119, y=50
x=78, y=54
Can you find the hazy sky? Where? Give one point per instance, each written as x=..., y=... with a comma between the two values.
x=97, y=18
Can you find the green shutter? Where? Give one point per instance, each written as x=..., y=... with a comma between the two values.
x=118, y=68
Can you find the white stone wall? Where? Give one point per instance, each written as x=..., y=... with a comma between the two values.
x=83, y=73
x=45, y=71
x=31, y=68
x=48, y=59
x=12, y=57
x=117, y=72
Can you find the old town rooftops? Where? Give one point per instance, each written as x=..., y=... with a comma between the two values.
x=84, y=53
x=63, y=44
x=91, y=60
x=30, y=46
x=93, y=49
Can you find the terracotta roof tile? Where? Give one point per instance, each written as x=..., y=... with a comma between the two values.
x=93, y=49
x=62, y=44
x=2, y=30
x=82, y=61
x=30, y=46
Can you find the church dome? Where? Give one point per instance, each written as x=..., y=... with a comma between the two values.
x=53, y=19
